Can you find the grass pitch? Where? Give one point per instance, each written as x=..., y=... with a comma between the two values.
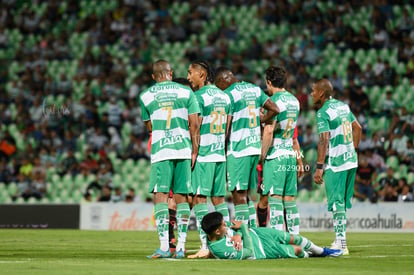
x=97, y=252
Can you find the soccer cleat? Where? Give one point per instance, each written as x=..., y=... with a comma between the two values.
x=342, y=246
x=158, y=254
x=179, y=254
x=202, y=253
x=328, y=252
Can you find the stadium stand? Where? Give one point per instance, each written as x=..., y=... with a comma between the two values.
x=71, y=73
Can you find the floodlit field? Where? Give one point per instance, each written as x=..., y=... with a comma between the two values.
x=93, y=252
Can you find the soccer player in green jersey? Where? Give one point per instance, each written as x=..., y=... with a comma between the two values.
x=209, y=175
x=339, y=136
x=257, y=243
x=244, y=141
x=170, y=112
x=281, y=153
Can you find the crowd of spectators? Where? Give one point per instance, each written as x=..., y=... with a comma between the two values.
x=78, y=136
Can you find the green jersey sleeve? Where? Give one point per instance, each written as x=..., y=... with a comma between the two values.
x=223, y=249
x=193, y=107
x=263, y=98
x=351, y=117
x=322, y=122
x=200, y=102
x=144, y=111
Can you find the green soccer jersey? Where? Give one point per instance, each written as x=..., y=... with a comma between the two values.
x=336, y=118
x=214, y=107
x=246, y=100
x=224, y=249
x=283, y=135
x=168, y=104
x=261, y=243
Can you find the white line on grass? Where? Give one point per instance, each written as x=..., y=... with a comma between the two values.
x=381, y=245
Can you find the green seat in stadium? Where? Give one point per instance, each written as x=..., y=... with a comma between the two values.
x=392, y=161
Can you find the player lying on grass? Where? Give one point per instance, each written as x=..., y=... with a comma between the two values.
x=257, y=243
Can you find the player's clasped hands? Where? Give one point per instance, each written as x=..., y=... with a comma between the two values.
x=236, y=239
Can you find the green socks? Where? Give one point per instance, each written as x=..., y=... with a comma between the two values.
x=162, y=221
x=200, y=211
x=276, y=213
x=339, y=222
x=224, y=210
x=292, y=217
x=183, y=218
x=241, y=213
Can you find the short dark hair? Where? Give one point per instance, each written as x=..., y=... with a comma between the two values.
x=277, y=76
x=206, y=66
x=211, y=222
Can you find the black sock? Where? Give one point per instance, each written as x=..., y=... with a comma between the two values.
x=262, y=216
x=173, y=222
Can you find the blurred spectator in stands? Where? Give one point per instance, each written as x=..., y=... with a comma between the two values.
x=407, y=156
x=115, y=143
x=5, y=114
x=388, y=75
x=89, y=163
x=114, y=114
x=390, y=179
x=311, y=54
x=69, y=142
x=353, y=70
x=398, y=143
x=7, y=146
x=5, y=172
x=97, y=139
x=380, y=38
x=15, y=89
x=405, y=195
x=38, y=186
x=69, y=164
x=407, y=122
x=56, y=141
x=302, y=98
x=105, y=160
x=336, y=82
x=38, y=167
x=309, y=139
x=365, y=176
x=302, y=76
x=255, y=51
x=230, y=30
x=367, y=77
x=23, y=188
x=117, y=196
x=136, y=149
x=378, y=68
x=405, y=22
x=105, y=195
x=87, y=197
x=131, y=197
x=64, y=85
x=375, y=160
x=388, y=193
x=26, y=167
x=362, y=39
x=359, y=100
x=365, y=142
x=270, y=49
x=36, y=111
x=388, y=105
x=134, y=89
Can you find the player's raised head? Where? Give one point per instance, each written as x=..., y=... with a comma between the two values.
x=277, y=76
x=211, y=222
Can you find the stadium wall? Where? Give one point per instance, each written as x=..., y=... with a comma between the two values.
x=363, y=217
